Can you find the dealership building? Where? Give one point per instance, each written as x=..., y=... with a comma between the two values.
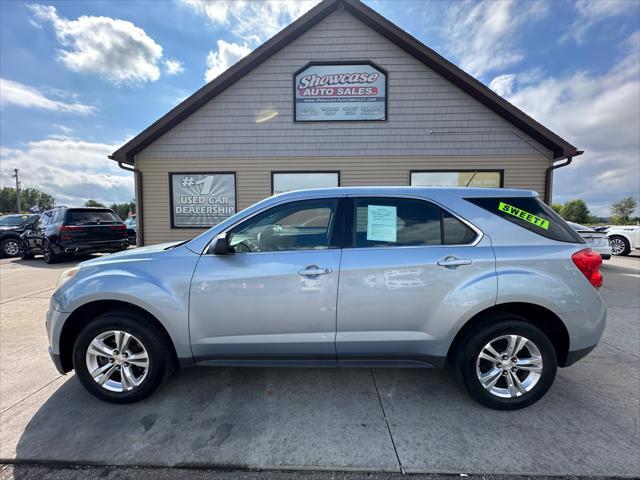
x=341, y=97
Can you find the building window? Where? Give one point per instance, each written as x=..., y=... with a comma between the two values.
x=201, y=199
x=286, y=181
x=458, y=178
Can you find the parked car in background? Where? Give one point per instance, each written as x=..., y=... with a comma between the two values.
x=132, y=227
x=598, y=241
x=11, y=227
x=64, y=231
x=490, y=281
x=624, y=238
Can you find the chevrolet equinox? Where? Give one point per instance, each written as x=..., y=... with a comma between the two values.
x=489, y=281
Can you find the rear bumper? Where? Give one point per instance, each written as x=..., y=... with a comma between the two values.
x=93, y=247
x=575, y=355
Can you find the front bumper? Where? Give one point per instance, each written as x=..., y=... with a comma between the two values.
x=57, y=361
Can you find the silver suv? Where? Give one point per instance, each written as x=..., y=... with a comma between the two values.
x=489, y=281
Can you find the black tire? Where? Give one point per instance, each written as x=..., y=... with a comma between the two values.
x=620, y=242
x=24, y=255
x=149, y=336
x=49, y=255
x=470, y=347
x=10, y=247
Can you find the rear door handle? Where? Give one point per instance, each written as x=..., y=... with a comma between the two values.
x=452, y=261
x=313, y=270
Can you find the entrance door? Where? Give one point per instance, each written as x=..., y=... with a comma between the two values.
x=274, y=298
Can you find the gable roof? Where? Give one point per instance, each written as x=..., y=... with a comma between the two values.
x=560, y=147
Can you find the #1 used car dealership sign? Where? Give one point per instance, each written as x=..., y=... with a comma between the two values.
x=340, y=92
x=201, y=199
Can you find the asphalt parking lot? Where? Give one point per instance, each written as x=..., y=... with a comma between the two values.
x=387, y=420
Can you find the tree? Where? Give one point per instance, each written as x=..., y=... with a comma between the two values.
x=557, y=207
x=123, y=209
x=622, y=210
x=93, y=203
x=29, y=197
x=575, y=211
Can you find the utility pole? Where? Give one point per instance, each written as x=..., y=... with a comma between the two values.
x=15, y=174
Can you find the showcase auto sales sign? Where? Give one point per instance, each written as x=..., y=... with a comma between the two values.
x=340, y=92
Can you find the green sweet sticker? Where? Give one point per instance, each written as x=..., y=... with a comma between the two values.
x=526, y=216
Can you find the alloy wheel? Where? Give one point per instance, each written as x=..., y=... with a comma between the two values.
x=117, y=361
x=617, y=246
x=509, y=366
x=11, y=248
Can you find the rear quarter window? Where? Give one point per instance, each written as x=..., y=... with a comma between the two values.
x=532, y=214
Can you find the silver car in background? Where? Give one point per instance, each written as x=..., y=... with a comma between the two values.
x=489, y=281
x=598, y=241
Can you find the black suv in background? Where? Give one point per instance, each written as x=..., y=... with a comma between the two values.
x=74, y=231
x=11, y=227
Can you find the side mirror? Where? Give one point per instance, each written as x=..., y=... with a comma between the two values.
x=220, y=246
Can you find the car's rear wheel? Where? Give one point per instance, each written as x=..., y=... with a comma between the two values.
x=120, y=357
x=507, y=365
x=49, y=255
x=619, y=246
x=10, y=247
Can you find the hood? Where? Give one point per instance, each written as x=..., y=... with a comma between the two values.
x=4, y=228
x=132, y=254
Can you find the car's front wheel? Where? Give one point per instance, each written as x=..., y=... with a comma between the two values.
x=10, y=247
x=507, y=365
x=120, y=357
x=619, y=246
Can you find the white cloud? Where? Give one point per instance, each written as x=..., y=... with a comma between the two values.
x=592, y=12
x=480, y=35
x=14, y=93
x=226, y=55
x=71, y=170
x=115, y=49
x=172, y=66
x=253, y=21
x=599, y=114
x=503, y=84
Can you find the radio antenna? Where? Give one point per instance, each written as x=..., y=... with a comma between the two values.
x=472, y=177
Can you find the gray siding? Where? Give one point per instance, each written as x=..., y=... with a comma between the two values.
x=431, y=125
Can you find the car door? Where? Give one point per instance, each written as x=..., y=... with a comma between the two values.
x=36, y=236
x=412, y=271
x=274, y=298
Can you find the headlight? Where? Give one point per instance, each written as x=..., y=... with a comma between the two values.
x=66, y=276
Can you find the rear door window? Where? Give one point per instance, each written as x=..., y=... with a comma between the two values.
x=532, y=214
x=83, y=217
x=402, y=222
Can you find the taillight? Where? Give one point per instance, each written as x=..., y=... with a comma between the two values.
x=588, y=262
x=121, y=226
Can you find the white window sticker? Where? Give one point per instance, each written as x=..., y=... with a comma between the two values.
x=382, y=225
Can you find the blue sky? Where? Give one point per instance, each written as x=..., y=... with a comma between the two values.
x=79, y=78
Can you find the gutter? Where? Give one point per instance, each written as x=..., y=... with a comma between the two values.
x=549, y=176
x=139, y=209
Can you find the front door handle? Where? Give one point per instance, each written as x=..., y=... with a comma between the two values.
x=313, y=270
x=453, y=261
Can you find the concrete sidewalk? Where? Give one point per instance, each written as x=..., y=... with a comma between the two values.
x=383, y=420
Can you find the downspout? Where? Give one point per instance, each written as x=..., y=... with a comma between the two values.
x=139, y=209
x=549, y=176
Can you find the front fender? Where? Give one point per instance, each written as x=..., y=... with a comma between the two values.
x=158, y=284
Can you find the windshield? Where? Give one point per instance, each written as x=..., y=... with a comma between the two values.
x=91, y=216
x=13, y=220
